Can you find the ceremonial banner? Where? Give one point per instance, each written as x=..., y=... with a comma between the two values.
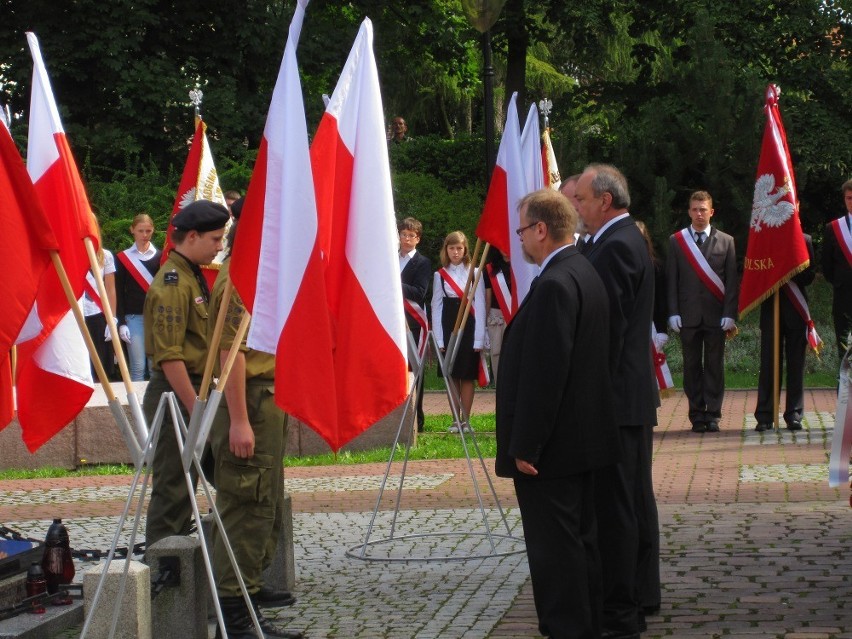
x=55, y=363
x=552, y=178
x=518, y=171
x=23, y=261
x=276, y=264
x=776, y=248
x=358, y=234
x=198, y=182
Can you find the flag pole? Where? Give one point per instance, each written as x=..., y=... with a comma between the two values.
x=213, y=348
x=235, y=348
x=467, y=284
x=776, y=357
x=110, y=317
x=465, y=308
x=81, y=323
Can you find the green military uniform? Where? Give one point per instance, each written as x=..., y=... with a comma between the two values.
x=249, y=492
x=175, y=318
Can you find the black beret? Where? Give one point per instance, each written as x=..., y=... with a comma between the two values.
x=201, y=216
x=237, y=208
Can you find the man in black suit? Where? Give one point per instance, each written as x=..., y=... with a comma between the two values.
x=794, y=318
x=415, y=270
x=626, y=507
x=701, y=275
x=837, y=268
x=555, y=425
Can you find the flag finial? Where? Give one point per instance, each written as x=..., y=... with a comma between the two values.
x=545, y=106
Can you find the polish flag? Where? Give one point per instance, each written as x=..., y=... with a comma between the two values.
x=23, y=261
x=358, y=234
x=776, y=249
x=518, y=171
x=277, y=266
x=54, y=363
x=199, y=180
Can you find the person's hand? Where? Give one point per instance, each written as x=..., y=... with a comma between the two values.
x=525, y=467
x=107, y=334
x=241, y=439
x=728, y=324
x=660, y=340
x=124, y=333
x=675, y=323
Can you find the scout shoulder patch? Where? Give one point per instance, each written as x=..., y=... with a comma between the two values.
x=171, y=278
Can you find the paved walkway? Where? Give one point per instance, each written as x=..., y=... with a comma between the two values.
x=754, y=542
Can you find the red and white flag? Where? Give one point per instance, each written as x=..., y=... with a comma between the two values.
x=776, y=248
x=277, y=265
x=54, y=363
x=358, y=234
x=23, y=261
x=199, y=180
x=518, y=171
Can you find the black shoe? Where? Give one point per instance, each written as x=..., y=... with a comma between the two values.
x=270, y=598
x=762, y=426
x=698, y=427
x=713, y=427
x=239, y=625
x=794, y=425
x=651, y=611
x=616, y=634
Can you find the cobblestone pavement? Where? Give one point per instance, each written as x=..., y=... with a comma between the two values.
x=754, y=542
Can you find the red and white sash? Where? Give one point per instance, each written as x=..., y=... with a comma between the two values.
x=844, y=237
x=661, y=367
x=419, y=314
x=699, y=264
x=483, y=376
x=500, y=290
x=90, y=287
x=797, y=299
x=136, y=268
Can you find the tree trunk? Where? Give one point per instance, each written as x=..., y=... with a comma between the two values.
x=517, y=40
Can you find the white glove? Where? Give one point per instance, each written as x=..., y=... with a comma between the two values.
x=124, y=333
x=660, y=340
x=727, y=324
x=675, y=323
x=107, y=334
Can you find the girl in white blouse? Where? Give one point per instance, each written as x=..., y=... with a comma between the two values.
x=447, y=289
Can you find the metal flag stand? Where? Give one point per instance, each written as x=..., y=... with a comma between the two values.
x=168, y=401
x=417, y=358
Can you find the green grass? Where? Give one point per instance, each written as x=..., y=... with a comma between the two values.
x=49, y=472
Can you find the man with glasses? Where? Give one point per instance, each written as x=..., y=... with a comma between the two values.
x=415, y=271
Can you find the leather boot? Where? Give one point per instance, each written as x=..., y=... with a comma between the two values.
x=239, y=625
x=269, y=629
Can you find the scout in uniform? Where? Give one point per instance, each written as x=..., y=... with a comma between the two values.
x=176, y=342
x=248, y=438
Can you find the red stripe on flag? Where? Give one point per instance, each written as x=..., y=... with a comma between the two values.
x=493, y=226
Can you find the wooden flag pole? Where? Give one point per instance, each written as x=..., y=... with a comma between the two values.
x=235, y=348
x=81, y=323
x=110, y=318
x=467, y=284
x=776, y=357
x=213, y=347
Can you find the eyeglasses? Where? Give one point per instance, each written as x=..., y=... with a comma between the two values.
x=408, y=236
x=521, y=230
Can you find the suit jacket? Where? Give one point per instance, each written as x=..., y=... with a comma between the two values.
x=688, y=296
x=554, y=405
x=620, y=256
x=415, y=278
x=837, y=270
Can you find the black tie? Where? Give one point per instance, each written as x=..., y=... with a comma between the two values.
x=699, y=238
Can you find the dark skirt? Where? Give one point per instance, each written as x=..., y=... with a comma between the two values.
x=467, y=360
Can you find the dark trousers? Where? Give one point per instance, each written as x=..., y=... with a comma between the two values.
x=648, y=553
x=703, y=371
x=561, y=538
x=617, y=510
x=415, y=331
x=97, y=325
x=793, y=346
x=842, y=317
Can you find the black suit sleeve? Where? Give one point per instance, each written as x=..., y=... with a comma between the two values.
x=806, y=277
x=415, y=279
x=544, y=368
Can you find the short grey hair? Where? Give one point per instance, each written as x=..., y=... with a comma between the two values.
x=609, y=179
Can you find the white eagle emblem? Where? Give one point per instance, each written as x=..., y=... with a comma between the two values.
x=768, y=209
x=187, y=198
